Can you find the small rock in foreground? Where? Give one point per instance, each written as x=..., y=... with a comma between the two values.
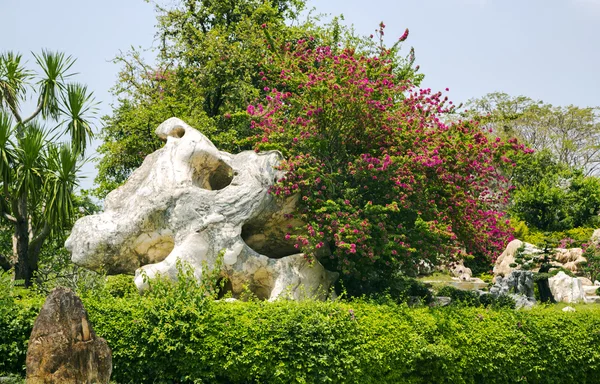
x=63, y=347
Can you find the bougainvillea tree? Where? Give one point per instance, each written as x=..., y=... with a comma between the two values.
x=384, y=183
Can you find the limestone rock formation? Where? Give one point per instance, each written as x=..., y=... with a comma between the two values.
x=190, y=202
x=63, y=347
x=460, y=271
x=518, y=285
x=566, y=289
x=569, y=259
x=505, y=262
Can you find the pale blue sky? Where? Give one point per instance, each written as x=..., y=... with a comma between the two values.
x=544, y=49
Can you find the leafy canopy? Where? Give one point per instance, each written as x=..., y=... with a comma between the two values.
x=38, y=172
x=384, y=183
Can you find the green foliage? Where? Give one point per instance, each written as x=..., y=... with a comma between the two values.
x=18, y=310
x=591, y=268
x=175, y=333
x=398, y=289
x=39, y=173
x=553, y=197
x=120, y=286
x=569, y=134
x=207, y=72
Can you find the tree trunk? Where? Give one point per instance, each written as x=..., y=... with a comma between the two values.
x=544, y=286
x=23, y=270
x=22, y=267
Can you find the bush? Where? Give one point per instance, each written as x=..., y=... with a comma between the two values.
x=18, y=310
x=175, y=333
x=398, y=289
x=383, y=183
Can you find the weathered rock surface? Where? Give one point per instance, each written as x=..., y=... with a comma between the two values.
x=569, y=259
x=504, y=263
x=190, y=202
x=518, y=285
x=595, y=239
x=460, y=271
x=63, y=347
x=566, y=289
x=519, y=282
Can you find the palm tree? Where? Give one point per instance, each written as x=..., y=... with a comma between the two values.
x=39, y=172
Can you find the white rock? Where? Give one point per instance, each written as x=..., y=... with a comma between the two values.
x=566, y=289
x=569, y=309
x=586, y=282
x=189, y=202
x=569, y=259
x=590, y=290
x=459, y=270
x=503, y=265
x=597, y=283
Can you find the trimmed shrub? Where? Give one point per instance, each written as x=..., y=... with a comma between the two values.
x=18, y=310
x=177, y=334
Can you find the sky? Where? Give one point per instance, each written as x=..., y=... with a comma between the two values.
x=545, y=49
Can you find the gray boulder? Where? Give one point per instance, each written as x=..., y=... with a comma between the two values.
x=518, y=285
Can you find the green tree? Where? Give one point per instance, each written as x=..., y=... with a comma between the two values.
x=207, y=71
x=39, y=173
x=571, y=133
x=209, y=68
x=550, y=196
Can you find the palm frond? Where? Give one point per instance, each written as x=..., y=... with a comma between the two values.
x=61, y=180
x=7, y=154
x=31, y=160
x=55, y=66
x=13, y=81
x=79, y=106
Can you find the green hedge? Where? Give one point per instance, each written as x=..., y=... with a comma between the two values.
x=177, y=335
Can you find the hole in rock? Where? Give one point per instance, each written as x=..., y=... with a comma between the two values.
x=266, y=235
x=177, y=132
x=224, y=286
x=211, y=173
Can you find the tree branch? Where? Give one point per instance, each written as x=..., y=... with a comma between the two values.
x=10, y=218
x=40, y=237
x=35, y=113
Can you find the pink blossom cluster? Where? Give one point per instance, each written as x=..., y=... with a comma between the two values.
x=384, y=180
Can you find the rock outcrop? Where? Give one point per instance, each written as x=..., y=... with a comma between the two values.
x=518, y=285
x=569, y=259
x=63, y=347
x=189, y=202
x=566, y=289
